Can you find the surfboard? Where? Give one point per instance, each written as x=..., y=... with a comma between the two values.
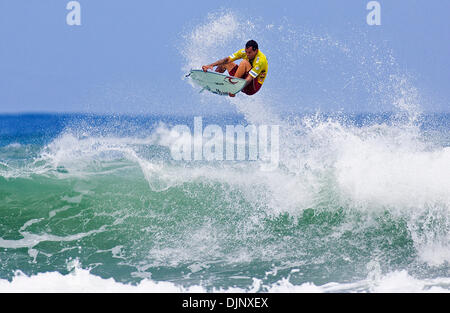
x=216, y=83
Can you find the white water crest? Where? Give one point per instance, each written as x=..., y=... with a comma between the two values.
x=81, y=280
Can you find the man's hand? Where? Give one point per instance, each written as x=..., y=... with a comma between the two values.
x=207, y=67
x=217, y=63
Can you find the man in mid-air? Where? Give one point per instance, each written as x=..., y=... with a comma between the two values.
x=253, y=67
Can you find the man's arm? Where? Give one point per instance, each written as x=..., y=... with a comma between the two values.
x=219, y=62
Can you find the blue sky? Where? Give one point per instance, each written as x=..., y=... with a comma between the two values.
x=125, y=57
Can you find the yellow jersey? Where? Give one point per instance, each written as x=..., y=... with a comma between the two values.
x=259, y=64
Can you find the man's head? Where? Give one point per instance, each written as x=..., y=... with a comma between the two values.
x=251, y=49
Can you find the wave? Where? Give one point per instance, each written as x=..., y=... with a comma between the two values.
x=325, y=164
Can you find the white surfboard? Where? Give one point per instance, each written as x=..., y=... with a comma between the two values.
x=217, y=83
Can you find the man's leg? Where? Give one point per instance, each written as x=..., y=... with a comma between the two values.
x=244, y=67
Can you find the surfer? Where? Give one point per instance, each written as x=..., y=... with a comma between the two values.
x=253, y=67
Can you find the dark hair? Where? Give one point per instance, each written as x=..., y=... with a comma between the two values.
x=251, y=43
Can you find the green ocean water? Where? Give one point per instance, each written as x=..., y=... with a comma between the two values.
x=122, y=209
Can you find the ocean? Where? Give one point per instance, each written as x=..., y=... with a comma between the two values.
x=358, y=203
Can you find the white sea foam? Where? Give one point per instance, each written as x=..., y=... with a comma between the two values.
x=30, y=240
x=81, y=280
